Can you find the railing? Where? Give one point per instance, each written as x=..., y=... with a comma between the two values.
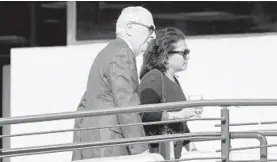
x=225, y=135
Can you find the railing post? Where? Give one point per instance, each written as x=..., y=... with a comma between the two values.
x=263, y=150
x=166, y=149
x=257, y=135
x=225, y=142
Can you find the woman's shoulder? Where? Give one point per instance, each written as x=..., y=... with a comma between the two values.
x=154, y=74
x=151, y=80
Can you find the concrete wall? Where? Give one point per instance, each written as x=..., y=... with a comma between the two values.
x=53, y=79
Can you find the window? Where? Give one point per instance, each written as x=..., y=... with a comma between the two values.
x=96, y=20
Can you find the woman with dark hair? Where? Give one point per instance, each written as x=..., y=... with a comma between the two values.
x=166, y=55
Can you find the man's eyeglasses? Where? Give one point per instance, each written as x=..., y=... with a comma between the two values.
x=151, y=28
x=184, y=53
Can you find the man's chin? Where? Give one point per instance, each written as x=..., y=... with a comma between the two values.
x=184, y=68
x=142, y=51
x=145, y=46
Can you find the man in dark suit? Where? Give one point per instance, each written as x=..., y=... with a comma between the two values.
x=113, y=82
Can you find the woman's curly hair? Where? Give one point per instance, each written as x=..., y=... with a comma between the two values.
x=156, y=56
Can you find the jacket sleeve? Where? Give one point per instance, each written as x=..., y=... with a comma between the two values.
x=151, y=93
x=124, y=84
x=124, y=81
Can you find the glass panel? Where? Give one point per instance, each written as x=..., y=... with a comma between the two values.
x=96, y=20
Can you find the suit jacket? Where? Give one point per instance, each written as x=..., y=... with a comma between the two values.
x=112, y=82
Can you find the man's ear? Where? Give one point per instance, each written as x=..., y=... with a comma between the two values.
x=128, y=29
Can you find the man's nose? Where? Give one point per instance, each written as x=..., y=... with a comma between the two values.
x=153, y=36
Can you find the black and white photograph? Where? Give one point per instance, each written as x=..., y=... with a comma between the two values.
x=138, y=81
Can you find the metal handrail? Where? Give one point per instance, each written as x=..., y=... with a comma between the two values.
x=268, y=160
x=224, y=135
x=103, y=127
x=259, y=136
x=254, y=147
x=139, y=108
x=110, y=143
x=189, y=159
x=249, y=123
x=263, y=132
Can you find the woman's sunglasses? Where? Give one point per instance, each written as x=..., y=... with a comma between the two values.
x=184, y=53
